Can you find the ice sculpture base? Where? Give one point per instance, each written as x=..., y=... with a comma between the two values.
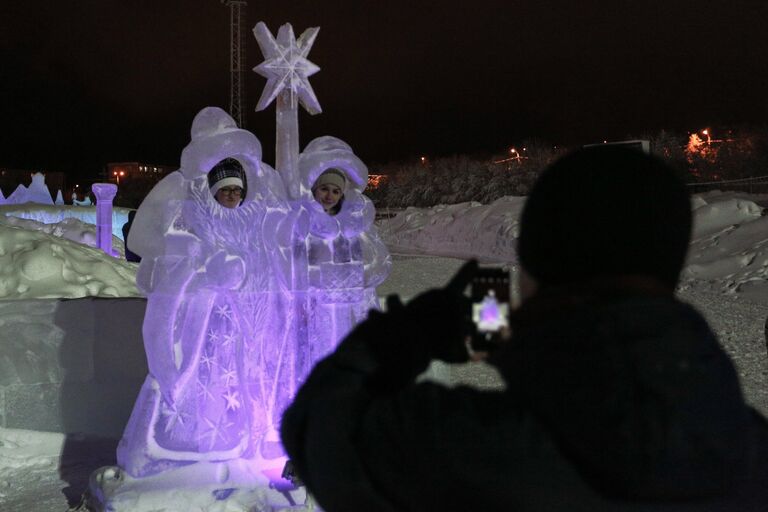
x=240, y=485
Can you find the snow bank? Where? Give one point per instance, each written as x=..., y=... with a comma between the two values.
x=728, y=253
x=56, y=213
x=45, y=262
x=465, y=230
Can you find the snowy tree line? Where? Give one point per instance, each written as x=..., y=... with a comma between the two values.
x=460, y=178
x=728, y=154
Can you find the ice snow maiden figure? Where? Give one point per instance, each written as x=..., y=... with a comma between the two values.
x=346, y=259
x=219, y=332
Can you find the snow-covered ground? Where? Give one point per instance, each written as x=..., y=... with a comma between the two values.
x=725, y=279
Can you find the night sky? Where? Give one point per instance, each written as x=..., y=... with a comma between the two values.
x=85, y=82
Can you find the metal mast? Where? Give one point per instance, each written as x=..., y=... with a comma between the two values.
x=237, y=59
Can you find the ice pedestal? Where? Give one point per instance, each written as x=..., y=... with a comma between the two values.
x=234, y=486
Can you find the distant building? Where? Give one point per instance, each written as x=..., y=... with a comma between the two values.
x=134, y=180
x=117, y=172
x=10, y=179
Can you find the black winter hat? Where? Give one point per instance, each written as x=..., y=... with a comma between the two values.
x=227, y=172
x=605, y=211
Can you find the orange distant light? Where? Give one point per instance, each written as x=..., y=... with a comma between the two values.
x=122, y=173
x=705, y=132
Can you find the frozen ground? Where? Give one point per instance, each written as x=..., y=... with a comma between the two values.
x=725, y=279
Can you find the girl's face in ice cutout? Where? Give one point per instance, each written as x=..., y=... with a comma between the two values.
x=229, y=197
x=328, y=196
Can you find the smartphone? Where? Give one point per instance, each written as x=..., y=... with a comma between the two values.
x=490, y=294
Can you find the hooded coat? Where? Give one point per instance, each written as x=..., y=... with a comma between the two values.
x=617, y=399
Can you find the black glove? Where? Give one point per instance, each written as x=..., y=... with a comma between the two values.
x=434, y=325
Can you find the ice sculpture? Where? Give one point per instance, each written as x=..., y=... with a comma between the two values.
x=287, y=71
x=84, y=202
x=342, y=259
x=242, y=301
x=222, y=337
x=346, y=259
x=59, y=198
x=105, y=193
x=37, y=192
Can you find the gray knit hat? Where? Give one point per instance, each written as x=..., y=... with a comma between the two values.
x=331, y=177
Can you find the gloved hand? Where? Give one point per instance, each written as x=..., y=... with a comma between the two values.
x=440, y=319
x=434, y=325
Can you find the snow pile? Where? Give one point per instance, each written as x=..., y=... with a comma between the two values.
x=52, y=214
x=27, y=457
x=729, y=251
x=35, y=264
x=464, y=230
x=27, y=449
x=70, y=228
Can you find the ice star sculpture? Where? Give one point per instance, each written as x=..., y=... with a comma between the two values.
x=287, y=71
x=286, y=65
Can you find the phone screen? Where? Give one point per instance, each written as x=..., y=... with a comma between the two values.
x=490, y=294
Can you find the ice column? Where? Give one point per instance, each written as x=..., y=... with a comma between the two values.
x=105, y=193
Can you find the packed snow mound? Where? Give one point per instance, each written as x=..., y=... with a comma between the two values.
x=36, y=265
x=464, y=230
x=729, y=251
x=721, y=213
x=52, y=214
x=69, y=228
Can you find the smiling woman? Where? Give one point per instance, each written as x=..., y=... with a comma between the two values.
x=328, y=190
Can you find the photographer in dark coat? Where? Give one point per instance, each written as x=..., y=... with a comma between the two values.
x=618, y=396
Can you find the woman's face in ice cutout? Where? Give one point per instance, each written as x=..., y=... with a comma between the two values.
x=328, y=196
x=229, y=197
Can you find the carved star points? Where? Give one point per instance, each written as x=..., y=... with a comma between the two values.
x=229, y=376
x=224, y=312
x=232, y=398
x=229, y=339
x=216, y=431
x=208, y=361
x=286, y=65
x=174, y=416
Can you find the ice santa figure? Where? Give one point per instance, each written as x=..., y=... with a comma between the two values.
x=219, y=332
x=346, y=259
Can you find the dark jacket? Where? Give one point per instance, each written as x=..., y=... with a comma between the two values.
x=129, y=254
x=615, y=401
